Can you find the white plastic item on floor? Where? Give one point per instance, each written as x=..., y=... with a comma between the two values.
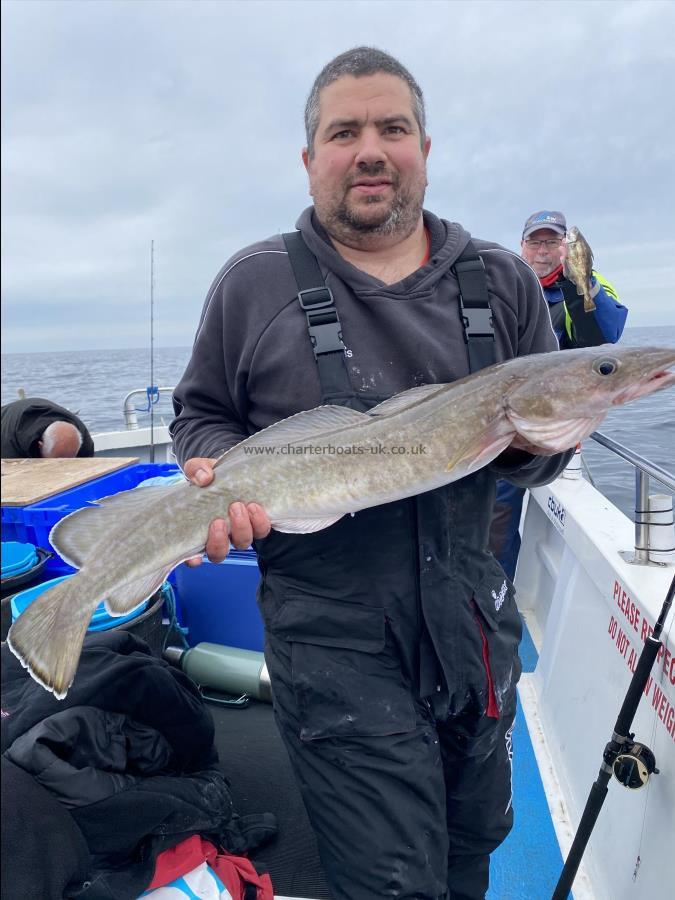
x=202, y=883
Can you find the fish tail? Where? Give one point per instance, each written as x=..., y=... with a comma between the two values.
x=582, y=284
x=589, y=304
x=47, y=637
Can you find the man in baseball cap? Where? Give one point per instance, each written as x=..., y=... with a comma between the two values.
x=543, y=247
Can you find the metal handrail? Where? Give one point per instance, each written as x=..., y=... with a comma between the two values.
x=649, y=468
x=644, y=469
x=130, y=417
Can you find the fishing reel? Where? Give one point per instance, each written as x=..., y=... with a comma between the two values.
x=633, y=764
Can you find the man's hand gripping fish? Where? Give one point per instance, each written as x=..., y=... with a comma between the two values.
x=127, y=544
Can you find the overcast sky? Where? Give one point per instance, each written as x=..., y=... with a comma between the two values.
x=131, y=121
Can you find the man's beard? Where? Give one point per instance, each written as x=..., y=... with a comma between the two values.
x=398, y=216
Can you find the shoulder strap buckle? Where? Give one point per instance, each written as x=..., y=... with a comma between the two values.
x=326, y=338
x=316, y=298
x=323, y=323
x=478, y=321
x=317, y=302
x=474, y=308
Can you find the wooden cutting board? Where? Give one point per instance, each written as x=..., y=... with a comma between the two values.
x=25, y=481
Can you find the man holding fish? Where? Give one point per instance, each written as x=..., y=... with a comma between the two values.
x=393, y=668
x=585, y=308
x=347, y=370
x=585, y=312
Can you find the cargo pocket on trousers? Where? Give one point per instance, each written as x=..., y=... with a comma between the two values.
x=346, y=674
x=501, y=631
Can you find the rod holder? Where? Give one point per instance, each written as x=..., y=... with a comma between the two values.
x=661, y=538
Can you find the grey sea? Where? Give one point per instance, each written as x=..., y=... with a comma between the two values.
x=94, y=383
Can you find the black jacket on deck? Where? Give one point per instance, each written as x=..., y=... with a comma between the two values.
x=130, y=758
x=24, y=421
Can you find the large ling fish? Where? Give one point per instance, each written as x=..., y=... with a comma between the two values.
x=317, y=466
x=578, y=265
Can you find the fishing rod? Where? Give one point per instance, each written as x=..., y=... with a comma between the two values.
x=630, y=762
x=151, y=389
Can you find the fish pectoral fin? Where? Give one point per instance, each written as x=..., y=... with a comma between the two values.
x=555, y=434
x=47, y=637
x=481, y=452
x=304, y=526
x=74, y=536
x=132, y=592
x=311, y=423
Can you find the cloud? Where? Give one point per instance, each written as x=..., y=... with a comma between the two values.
x=181, y=123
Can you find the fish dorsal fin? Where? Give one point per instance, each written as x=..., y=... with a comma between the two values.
x=405, y=399
x=74, y=535
x=311, y=423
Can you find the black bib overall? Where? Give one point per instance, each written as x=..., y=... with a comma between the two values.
x=391, y=642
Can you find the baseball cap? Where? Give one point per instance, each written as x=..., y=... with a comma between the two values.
x=545, y=218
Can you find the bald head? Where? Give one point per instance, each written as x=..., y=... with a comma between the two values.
x=60, y=440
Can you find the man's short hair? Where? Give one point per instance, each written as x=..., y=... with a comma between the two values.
x=53, y=434
x=359, y=62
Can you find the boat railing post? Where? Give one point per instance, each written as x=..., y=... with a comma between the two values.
x=654, y=534
x=641, y=517
x=573, y=469
x=130, y=417
x=661, y=529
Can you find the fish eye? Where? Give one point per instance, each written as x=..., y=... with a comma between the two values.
x=605, y=366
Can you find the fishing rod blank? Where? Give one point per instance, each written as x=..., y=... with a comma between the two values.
x=151, y=389
x=630, y=762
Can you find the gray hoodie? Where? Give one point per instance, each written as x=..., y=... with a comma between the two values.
x=252, y=362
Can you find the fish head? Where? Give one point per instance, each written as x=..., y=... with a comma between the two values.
x=578, y=249
x=637, y=372
x=561, y=397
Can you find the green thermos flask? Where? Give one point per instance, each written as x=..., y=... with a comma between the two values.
x=228, y=669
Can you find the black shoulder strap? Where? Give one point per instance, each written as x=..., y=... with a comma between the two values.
x=323, y=323
x=475, y=309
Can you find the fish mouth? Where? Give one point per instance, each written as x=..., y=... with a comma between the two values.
x=656, y=381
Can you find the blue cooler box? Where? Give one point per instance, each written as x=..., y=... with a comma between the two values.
x=33, y=523
x=217, y=602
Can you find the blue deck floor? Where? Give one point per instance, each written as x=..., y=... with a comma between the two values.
x=528, y=864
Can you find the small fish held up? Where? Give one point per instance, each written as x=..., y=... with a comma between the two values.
x=578, y=265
